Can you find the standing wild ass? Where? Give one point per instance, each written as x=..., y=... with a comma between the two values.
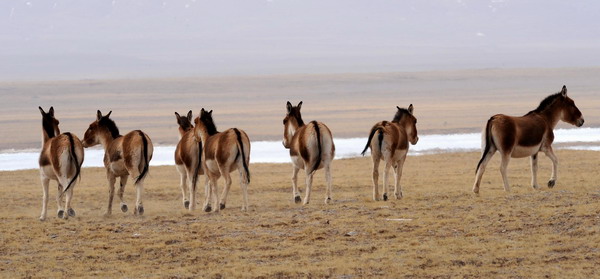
x=188, y=159
x=311, y=148
x=524, y=136
x=223, y=153
x=123, y=156
x=391, y=146
x=60, y=159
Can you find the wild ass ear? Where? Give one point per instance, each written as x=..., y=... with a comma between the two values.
x=190, y=115
x=210, y=112
x=299, y=106
x=108, y=115
x=398, y=107
x=411, y=109
x=177, y=115
x=98, y=115
x=51, y=111
x=564, y=91
x=42, y=111
x=289, y=107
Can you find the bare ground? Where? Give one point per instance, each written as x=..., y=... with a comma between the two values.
x=449, y=231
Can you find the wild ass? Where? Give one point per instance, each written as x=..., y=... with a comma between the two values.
x=311, y=148
x=188, y=159
x=391, y=146
x=60, y=159
x=524, y=136
x=223, y=152
x=123, y=156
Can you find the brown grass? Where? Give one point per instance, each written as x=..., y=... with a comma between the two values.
x=452, y=233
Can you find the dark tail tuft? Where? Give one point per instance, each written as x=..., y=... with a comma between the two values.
x=198, y=166
x=144, y=156
x=320, y=148
x=75, y=160
x=371, y=134
x=241, y=149
x=488, y=142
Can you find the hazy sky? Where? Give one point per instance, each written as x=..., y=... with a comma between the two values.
x=73, y=39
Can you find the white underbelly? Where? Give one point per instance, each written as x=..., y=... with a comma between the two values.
x=525, y=151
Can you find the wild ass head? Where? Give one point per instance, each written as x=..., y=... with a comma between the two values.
x=405, y=118
x=103, y=127
x=291, y=123
x=49, y=124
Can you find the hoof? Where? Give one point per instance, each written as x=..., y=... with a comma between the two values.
x=124, y=208
x=71, y=212
x=476, y=190
x=551, y=183
x=61, y=213
x=207, y=208
x=186, y=204
x=222, y=206
x=297, y=199
x=42, y=218
x=535, y=187
x=305, y=202
x=139, y=210
x=398, y=196
x=328, y=200
x=385, y=197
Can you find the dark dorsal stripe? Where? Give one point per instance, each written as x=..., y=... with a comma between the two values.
x=399, y=114
x=318, y=133
x=547, y=102
x=48, y=125
x=110, y=125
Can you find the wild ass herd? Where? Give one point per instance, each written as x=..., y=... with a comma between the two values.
x=202, y=149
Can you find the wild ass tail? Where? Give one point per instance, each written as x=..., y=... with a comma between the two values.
x=73, y=157
x=244, y=158
x=371, y=134
x=319, y=147
x=144, y=156
x=198, y=166
x=488, y=142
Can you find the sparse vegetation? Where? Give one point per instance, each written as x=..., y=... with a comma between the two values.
x=448, y=231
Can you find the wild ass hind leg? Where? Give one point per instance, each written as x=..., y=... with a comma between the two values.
x=244, y=187
x=376, y=160
x=309, y=181
x=70, y=210
x=61, y=211
x=122, y=183
x=386, y=171
x=189, y=203
x=45, y=185
x=183, y=179
x=207, y=192
x=534, y=169
x=479, y=172
x=328, y=180
x=295, y=192
x=398, y=175
x=214, y=192
x=550, y=153
x=227, y=176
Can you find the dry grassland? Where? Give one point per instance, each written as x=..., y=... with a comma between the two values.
x=553, y=233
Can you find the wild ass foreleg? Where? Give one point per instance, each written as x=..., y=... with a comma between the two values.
x=183, y=178
x=534, y=169
x=375, y=177
x=503, y=171
x=45, y=185
x=328, y=179
x=111, y=192
x=295, y=192
x=550, y=153
x=122, y=183
x=309, y=181
x=398, y=176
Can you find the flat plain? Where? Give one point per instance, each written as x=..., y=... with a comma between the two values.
x=440, y=229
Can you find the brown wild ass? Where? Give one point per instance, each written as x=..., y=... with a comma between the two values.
x=524, y=136
x=311, y=148
x=60, y=159
x=223, y=152
x=391, y=146
x=123, y=156
x=188, y=159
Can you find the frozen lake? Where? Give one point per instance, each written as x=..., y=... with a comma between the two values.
x=274, y=152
